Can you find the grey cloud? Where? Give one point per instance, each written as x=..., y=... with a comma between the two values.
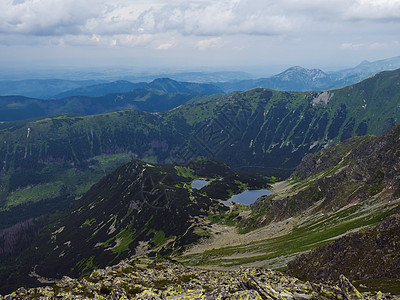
x=381, y=11
x=45, y=17
x=48, y=17
x=215, y=18
x=108, y=18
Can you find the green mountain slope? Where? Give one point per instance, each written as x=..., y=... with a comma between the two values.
x=149, y=209
x=369, y=258
x=349, y=187
x=262, y=129
x=349, y=173
x=139, y=209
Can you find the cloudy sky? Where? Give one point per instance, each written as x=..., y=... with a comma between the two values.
x=198, y=33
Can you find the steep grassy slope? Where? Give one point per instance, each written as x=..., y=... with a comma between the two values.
x=371, y=258
x=139, y=209
x=263, y=129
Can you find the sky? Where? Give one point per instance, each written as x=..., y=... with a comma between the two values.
x=197, y=34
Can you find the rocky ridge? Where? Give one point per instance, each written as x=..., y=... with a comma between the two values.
x=168, y=280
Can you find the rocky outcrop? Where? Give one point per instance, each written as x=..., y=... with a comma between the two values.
x=171, y=281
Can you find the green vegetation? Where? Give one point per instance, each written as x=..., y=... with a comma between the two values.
x=184, y=171
x=141, y=206
x=260, y=128
x=276, y=252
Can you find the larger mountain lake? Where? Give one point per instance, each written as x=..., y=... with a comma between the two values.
x=247, y=197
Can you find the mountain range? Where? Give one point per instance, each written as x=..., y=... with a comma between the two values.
x=259, y=129
x=41, y=88
x=161, y=84
x=301, y=79
x=293, y=79
x=83, y=192
x=151, y=210
x=159, y=95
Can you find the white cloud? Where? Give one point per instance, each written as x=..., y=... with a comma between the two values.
x=165, y=46
x=375, y=10
x=214, y=18
x=45, y=17
x=371, y=46
x=209, y=43
x=106, y=17
x=346, y=46
x=242, y=28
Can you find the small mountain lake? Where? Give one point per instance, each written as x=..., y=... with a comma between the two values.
x=247, y=197
x=199, y=183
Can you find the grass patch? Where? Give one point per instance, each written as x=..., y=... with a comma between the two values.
x=187, y=278
x=185, y=172
x=35, y=193
x=162, y=284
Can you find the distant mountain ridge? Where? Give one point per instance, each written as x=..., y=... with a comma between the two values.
x=292, y=79
x=119, y=86
x=302, y=79
x=159, y=95
x=41, y=88
x=162, y=84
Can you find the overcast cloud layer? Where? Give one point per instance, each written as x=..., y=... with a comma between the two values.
x=225, y=31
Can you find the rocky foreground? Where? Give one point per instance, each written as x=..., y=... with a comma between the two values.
x=172, y=281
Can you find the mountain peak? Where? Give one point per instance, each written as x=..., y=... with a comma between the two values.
x=163, y=80
x=364, y=62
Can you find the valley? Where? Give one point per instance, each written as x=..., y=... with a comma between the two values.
x=85, y=192
x=261, y=129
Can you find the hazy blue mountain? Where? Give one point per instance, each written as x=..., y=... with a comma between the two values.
x=14, y=108
x=364, y=70
x=42, y=88
x=368, y=69
x=162, y=84
x=173, y=86
x=293, y=79
x=205, y=77
x=301, y=79
x=120, y=86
